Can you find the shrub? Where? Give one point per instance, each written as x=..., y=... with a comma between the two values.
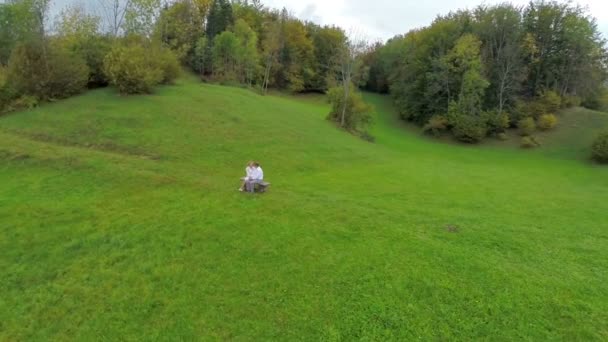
x=598, y=100
x=46, y=71
x=529, y=142
x=6, y=93
x=132, y=69
x=520, y=111
x=524, y=109
x=3, y=76
x=526, y=126
x=600, y=148
x=497, y=122
x=94, y=50
x=469, y=129
x=570, y=101
x=550, y=102
x=547, y=122
x=168, y=63
x=23, y=102
x=357, y=115
x=436, y=125
x=502, y=136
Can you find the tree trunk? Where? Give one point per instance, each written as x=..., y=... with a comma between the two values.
x=267, y=75
x=346, y=85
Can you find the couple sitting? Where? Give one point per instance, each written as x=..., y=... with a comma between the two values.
x=255, y=175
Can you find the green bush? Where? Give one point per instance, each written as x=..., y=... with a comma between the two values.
x=529, y=142
x=547, y=122
x=132, y=69
x=168, y=63
x=22, y=103
x=357, y=115
x=525, y=109
x=436, y=125
x=570, y=101
x=93, y=51
x=550, y=102
x=526, y=126
x=598, y=100
x=46, y=71
x=497, y=122
x=502, y=136
x=600, y=148
x=469, y=129
x=6, y=94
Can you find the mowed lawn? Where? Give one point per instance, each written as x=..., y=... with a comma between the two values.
x=120, y=220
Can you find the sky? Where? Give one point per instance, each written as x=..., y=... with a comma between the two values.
x=383, y=19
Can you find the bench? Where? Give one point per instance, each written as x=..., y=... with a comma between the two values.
x=261, y=187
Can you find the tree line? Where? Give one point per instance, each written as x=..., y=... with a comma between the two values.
x=136, y=45
x=475, y=73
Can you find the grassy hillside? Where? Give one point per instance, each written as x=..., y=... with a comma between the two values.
x=120, y=219
x=571, y=139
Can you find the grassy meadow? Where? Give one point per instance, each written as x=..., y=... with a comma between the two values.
x=120, y=219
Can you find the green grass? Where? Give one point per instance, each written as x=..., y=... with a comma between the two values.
x=120, y=220
x=571, y=139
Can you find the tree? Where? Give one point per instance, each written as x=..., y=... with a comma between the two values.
x=115, y=12
x=247, y=52
x=75, y=24
x=140, y=17
x=501, y=32
x=78, y=31
x=296, y=55
x=351, y=113
x=327, y=57
x=570, y=56
x=200, y=55
x=180, y=25
x=465, y=65
x=220, y=18
x=225, y=50
x=350, y=68
x=18, y=24
x=271, y=46
x=46, y=71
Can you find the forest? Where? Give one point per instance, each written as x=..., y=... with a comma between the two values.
x=476, y=73
x=471, y=73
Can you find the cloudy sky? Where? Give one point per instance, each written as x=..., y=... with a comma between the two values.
x=383, y=19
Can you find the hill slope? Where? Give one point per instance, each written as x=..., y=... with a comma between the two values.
x=121, y=220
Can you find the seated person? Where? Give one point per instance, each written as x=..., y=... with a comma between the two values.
x=257, y=177
x=248, y=171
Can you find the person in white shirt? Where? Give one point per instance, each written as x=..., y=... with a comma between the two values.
x=249, y=172
x=257, y=176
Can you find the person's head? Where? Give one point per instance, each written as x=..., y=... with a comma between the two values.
x=256, y=164
x=251, y=164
